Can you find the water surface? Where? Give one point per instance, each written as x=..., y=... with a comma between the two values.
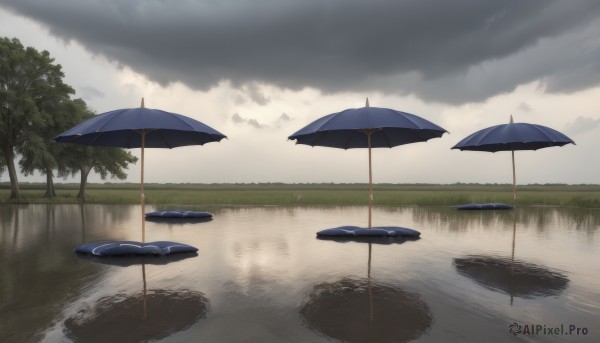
x=261, y=275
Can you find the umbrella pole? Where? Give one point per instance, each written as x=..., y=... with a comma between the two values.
x=143, y=197
x=370, y=177
x=514, y=180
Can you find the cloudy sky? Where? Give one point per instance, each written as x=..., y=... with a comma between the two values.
x=259, y=70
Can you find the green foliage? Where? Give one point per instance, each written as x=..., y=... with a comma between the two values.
x=106, y=161
x=31, y=95
x=35, y=106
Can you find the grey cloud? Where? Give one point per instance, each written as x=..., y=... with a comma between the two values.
x=90, y=92
x=447, y=51
x=236, y=118
x=255, y=123
x=283, y=118
x=525, y=107
x=582, y=125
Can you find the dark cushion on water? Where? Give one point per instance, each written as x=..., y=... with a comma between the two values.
x=491, y=206
x=120, y=248
x=178, y=214
x=376, y=231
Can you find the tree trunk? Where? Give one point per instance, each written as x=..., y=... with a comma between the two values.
x=85, y=171
x=50, y=192
x=12, y=174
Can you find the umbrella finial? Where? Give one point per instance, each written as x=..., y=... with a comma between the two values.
x=367, y=104
x=511, y=119
x=142, y=106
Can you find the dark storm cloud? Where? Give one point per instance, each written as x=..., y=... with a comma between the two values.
x=255, y=94
x=450, y=51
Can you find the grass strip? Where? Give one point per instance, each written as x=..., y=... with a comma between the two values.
x=584, y=196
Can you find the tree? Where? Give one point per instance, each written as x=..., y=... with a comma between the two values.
x=102, y=160
x=58, y=118
x=2, y=164
x=30, y=88
x=75, y=158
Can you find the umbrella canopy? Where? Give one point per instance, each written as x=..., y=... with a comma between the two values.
x=140, y=128
x=513, y=136
x=367, y=127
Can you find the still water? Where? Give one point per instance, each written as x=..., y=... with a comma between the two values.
x=261, y=275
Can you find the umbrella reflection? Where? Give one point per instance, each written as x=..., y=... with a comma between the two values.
x=369, y=239
x=359, y=310
x=513, y=277
x=139, y=317
x=178, y=221
x=126, y=261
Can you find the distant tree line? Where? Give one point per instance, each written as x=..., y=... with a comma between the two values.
x=35, y=106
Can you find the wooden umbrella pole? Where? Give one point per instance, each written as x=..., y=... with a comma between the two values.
x=370, y=177
x=514, y=174
x=514, y=180
x=142, y=195
x=143, y=134
x=368, y=132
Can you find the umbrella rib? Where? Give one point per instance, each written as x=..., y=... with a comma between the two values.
x=549, y=138
x=419, y=133
x=192, y=137
x=107, y=121
x=160, y=133
x=317, y=138
x=129, y=145
x=98, y=134
x=327, y=121
x=545, y=135
x=313, y=143
x=180, y=119
x=383, y=132
x=410, y=120
x=485, y=135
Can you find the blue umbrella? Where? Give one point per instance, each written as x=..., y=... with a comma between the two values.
x=513, y=136
x=140, y=128
x=367, y=127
